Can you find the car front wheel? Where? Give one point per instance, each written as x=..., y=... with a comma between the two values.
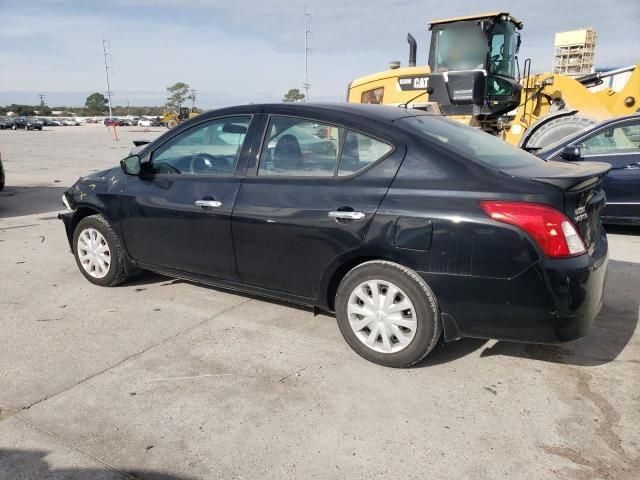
x=387, y=313
x=98, y=252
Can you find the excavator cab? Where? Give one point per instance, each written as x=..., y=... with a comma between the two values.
x=184, y=113
x=474, y=65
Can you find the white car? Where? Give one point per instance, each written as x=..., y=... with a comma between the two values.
x=69, y=122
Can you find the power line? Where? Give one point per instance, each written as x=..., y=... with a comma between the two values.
x=105, y=45
x=307, y=51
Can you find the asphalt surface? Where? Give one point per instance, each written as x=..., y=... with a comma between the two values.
x=165, y=379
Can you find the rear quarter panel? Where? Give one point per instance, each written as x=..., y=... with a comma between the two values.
x=475, y=265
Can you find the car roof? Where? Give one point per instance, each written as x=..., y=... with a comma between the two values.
x=372, y=112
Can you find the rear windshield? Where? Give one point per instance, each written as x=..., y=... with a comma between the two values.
x=470, y=142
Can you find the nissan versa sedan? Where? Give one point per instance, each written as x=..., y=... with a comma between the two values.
x=409, y=226
x=616, y=142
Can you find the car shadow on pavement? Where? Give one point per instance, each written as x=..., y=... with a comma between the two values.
x=31, y=464
x=623, y=230
x=449, y=352
x=19, y=201
x=612, y=330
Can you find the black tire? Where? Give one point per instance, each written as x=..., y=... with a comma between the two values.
x=423, y=299
x=116, y=273
x=556, y=129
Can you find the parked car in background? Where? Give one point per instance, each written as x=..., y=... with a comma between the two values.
x=616, y=142
x=55, y=122
x=129, y=122
x=149, y=122
x=69, y=122
x=47, y=122
x=407, y=225
x=6, y=122
x=28, y=123
x=91, y=120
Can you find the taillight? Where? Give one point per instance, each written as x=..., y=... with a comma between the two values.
x=550, y=228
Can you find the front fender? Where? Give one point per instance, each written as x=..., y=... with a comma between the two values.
x=90, y=195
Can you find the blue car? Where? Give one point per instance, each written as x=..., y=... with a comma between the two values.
x=616, y=142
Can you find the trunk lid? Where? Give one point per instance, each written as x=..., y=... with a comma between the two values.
x=582, y=186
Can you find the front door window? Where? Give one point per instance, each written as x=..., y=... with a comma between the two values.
x=210, y=148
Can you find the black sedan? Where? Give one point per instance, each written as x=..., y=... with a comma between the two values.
x=6, y=122
x=28, y=123
x=616, y=142
x=407, y=225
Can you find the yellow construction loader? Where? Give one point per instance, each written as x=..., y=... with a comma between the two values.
x=474, y=76
x=172, y=119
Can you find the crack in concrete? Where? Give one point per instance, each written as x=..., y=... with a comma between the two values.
x=75, y=448
x=589, y=464
x=16, y=411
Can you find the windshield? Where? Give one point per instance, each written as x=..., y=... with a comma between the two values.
x=502, y=54
x=471, y=143
x=459, y=46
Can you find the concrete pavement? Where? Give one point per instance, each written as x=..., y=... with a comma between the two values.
x=165, y=379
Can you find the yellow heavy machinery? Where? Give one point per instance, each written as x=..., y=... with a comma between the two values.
x=473, y=75
x=172, y=119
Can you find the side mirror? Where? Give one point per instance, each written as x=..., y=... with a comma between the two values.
x=131, y=165
x=571, y=153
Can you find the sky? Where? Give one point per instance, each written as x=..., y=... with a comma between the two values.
x=239, y=51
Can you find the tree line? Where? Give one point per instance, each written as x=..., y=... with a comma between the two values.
x=96, y=104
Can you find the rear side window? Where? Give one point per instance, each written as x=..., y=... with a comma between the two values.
x=360, y=151
x=297, y=147
x=470, y=143
x=300, y=148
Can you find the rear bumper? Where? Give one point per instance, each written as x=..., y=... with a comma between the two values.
x=556, y=300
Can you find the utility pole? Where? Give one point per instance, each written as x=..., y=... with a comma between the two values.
x=307, y=51
x=192, y=97
x=42, y=104
x=105, y=45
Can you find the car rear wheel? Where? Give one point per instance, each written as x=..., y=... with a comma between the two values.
x=387, y=313
x=98, y=252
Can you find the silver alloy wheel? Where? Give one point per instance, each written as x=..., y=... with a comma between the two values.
x=93, y=253
x=382, y=316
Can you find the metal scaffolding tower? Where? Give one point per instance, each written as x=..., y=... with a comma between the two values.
x=574, y=52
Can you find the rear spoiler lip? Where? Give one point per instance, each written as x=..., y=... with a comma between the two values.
x=585, y=175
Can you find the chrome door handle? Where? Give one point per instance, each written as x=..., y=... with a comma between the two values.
x=208, y=203
x=346, y=215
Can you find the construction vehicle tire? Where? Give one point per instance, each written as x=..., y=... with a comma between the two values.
x=172, y=123
x=555, y=129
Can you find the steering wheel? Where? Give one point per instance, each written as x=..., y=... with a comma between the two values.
x=207, y=163
x=167, y=168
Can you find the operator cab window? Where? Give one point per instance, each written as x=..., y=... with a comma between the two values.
x=210, y=148
x=460, y=46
